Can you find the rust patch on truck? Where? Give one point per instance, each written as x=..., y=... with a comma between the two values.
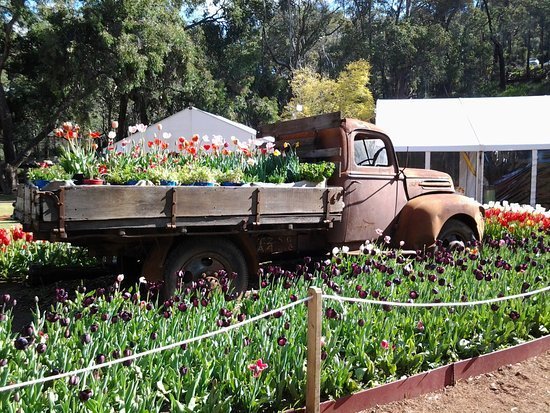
x=422, y=218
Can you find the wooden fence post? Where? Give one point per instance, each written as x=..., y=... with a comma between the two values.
x=314, y=326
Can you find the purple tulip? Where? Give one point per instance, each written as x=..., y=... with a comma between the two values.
x=514, y=315
x=282, y=341
x=127, y=352
x=85, y=395
x=61, y=295
x=21, y=343
x=331, y=313
x=88, y=301
x=27, y=331
x=41, y=348
x=125, y=316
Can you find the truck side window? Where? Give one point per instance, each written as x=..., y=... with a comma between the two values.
x=370, y=152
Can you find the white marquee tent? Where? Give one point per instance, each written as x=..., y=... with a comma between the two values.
x=469, y=125
x=185, y=124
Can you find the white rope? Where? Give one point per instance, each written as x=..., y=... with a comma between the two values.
x=154, y=350
x=459, y=304
x=259, y=317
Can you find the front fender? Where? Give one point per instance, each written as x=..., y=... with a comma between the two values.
x=422, y=218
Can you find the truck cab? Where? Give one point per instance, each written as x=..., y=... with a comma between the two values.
x=411, y=208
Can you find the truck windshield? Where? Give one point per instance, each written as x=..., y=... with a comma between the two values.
x=370, y=152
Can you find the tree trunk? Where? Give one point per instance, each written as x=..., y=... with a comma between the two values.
x=499, y=52
x=8, y=172
x=122, y=131
x=8, y=178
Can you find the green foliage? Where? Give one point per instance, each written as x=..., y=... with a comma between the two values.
x=138, y=62
x=200, y=173
x=48, y=173
x=316, y=172
x=19, y=252
x=278, y=167
x=231, y=176
x=347, y=94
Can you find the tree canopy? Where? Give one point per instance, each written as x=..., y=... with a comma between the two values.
x=138, y=61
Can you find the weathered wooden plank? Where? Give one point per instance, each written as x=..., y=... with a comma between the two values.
x=298, y=200
x=121, y=202
x=329, y=120
x=115, y=202
x=161, y=223
x=214, y=201
x=320, y=153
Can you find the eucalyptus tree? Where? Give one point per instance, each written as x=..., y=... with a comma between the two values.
x=249, y=89
x=44, y=77
x=145, y=58
x=297, y=30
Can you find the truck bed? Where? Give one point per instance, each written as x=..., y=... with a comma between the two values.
x=76, y=210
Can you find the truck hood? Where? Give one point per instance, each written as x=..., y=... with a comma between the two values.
x=422, y=181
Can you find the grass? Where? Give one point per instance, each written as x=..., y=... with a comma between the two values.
x=6, y=210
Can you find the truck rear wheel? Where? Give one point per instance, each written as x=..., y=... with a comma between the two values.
x=456, y=232
x=191, y=259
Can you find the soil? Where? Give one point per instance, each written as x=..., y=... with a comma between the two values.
x=518, y=388
x=27, y=295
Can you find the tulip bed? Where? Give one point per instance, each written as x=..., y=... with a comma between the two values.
x=261, y=366
x=18, y=251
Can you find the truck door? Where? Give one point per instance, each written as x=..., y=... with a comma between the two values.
x=373, y=191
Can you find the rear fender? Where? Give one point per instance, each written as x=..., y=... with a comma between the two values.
x=421, y=219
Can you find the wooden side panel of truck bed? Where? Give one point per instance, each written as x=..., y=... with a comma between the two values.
x=82, y=208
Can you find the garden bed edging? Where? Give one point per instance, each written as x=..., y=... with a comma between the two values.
x=434, y=380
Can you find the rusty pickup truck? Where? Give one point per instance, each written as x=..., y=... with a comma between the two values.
x=160, y=231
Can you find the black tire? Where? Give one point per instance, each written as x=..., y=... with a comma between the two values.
x=196, y=257
x=455, y=232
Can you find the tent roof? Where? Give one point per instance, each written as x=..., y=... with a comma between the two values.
x=466, y=124
x=192, y=121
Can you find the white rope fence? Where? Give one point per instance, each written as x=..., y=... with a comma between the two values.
x=154, y=350
x=457, y=304
x=259, y=317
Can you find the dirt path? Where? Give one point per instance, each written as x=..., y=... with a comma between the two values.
x=517, y=388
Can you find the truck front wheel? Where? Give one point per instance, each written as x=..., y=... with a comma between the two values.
x=456, y=232
x=194, y=258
